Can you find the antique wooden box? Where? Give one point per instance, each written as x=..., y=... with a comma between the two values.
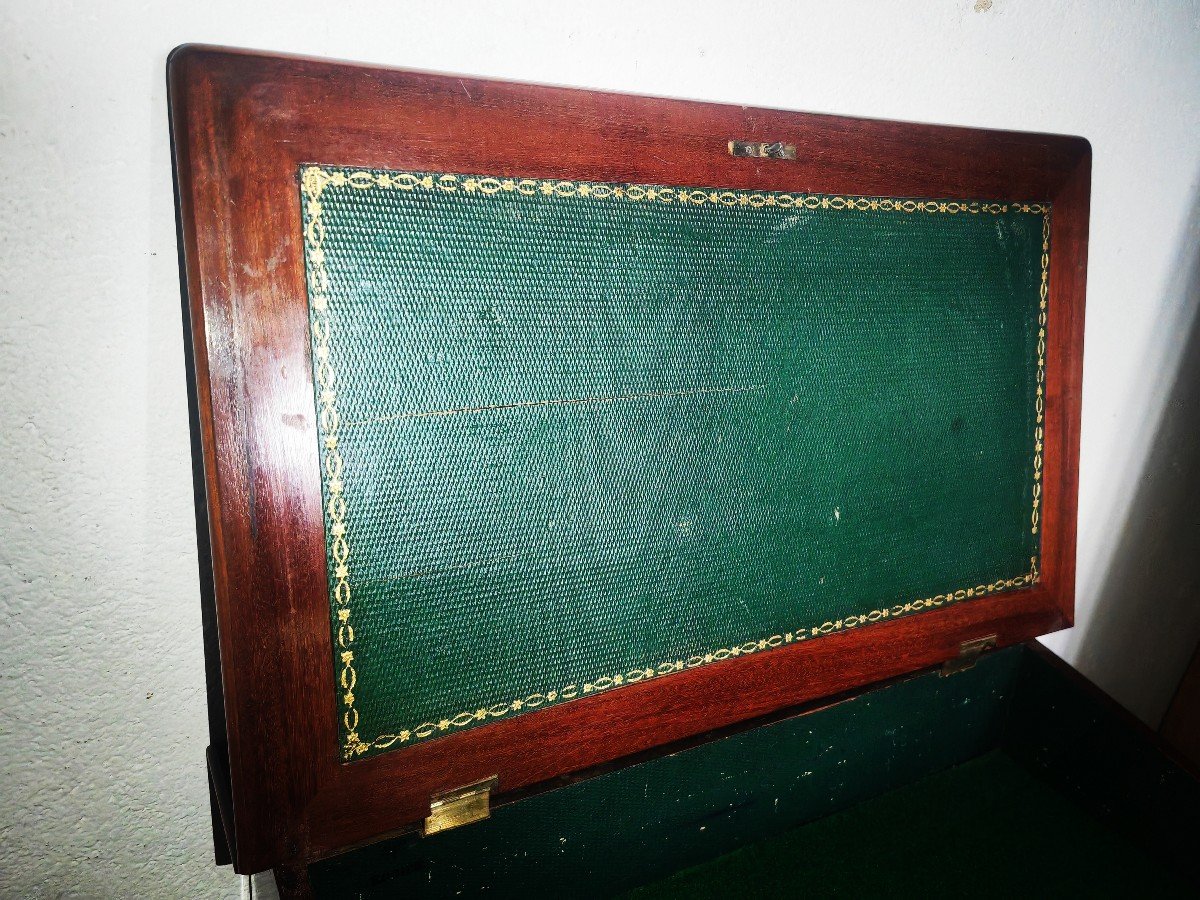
x=540, y=432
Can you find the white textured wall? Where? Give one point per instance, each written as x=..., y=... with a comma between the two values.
x=102, y=792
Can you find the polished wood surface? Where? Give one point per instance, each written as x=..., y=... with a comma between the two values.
x=242, y=125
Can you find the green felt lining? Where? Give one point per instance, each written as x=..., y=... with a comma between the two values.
x=987, y=828
x=907, y=790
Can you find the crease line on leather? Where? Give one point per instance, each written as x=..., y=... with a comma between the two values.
x=445, y=570
x=566, y=401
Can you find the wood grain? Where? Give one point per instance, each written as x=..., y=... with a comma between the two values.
x=242, y=125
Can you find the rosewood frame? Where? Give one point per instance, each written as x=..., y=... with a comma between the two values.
x=242, y=124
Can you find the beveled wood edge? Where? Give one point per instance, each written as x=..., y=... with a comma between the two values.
x=321, y=808
x=1064, y=377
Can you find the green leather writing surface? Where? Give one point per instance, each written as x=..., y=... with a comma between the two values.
x=575, y=435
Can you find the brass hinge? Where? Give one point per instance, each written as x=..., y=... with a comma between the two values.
x=461, y=806
x=968, y=654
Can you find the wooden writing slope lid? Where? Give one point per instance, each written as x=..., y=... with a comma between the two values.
x=542, y=428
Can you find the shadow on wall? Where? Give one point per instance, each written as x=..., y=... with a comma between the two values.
x=1146, y=620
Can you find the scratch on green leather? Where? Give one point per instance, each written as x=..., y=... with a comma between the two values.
x=582, y=438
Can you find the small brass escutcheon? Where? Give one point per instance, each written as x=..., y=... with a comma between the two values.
x=757, y=150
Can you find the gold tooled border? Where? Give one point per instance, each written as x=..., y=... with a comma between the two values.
x=314, y=180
